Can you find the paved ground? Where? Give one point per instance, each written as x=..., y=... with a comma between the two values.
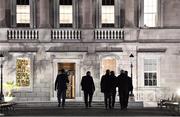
x=55, y=111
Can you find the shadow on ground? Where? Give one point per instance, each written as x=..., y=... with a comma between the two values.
x=55, y=111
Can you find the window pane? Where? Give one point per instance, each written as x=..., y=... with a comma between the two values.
x=150, y=72
x=154, y=83
x=23, y=14
x=65, y=14
x=150, y=13
x=150, y=76
x=154, y=76
x=108, y=14
x=146, y=82
x=23, y=72
x=150, y=19
x=150, y=83
x=145, y=76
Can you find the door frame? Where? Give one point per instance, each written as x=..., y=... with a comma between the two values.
x=73, y=84
x=77, y=78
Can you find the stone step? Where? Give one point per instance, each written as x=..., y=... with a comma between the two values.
x=95, y=104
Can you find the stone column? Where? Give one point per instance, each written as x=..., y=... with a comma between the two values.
x=43, y=18
x=131, y=13
x=86, y=12
x=2, y=14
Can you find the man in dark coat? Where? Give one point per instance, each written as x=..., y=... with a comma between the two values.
x=114, y=85
x=88, y=87
x=106, y=88
x=61, y=86
x=124, y=85
x=130, y=87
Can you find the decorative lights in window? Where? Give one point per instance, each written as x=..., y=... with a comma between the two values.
x=23, y=72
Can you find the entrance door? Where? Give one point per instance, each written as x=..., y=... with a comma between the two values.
x=70, y=69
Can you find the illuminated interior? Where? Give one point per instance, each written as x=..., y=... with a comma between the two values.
x=65, y=14
x=23, y=14
x=70, y=69
x=108, y=63
x=150, y=13
x=107, y=14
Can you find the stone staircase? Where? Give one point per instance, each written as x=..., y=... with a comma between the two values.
x=74, y=104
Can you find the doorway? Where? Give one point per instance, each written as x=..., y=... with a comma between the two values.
x=70, y=69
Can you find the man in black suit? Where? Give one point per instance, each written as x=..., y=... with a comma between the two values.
x=114, y=85
x=106, y=88
x=88, y=87
x=130, y=87
x=61, y=86
x=124, y=85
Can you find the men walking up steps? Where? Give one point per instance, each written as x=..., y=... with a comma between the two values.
x=88, y=87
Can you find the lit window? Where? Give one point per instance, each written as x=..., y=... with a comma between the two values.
x=65, y=13
x=23, y=13
x=107, y=13
x=150, y=72
x=23, y=72
x=150, y=13
x=109, y=63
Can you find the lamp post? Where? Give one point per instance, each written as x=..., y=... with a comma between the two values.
x=131, y=58
x=1, y=94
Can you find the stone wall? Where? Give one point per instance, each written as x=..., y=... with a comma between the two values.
x=171, y=13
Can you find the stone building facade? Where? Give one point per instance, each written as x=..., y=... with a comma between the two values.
x=34, y=53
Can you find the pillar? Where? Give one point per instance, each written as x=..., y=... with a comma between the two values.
x=131, y=13
x=86, y=13
x=2, y=14
x=43, y=10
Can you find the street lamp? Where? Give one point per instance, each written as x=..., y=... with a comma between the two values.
x=1, y=94
x=131, y=58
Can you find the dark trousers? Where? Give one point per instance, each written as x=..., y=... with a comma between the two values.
x=86, y=95
x=107, y=98
x=124, y=96
x=113, y=98
x=61, y=94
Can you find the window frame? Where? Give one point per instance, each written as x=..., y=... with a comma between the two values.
x=65, y=24
x=75, y=14
x=159, y=14
x=30, y=56
x=157, y=58
x=117, y=14
x=23, y=24
x=108, y=24
x=155, y=71
x=14, y=23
